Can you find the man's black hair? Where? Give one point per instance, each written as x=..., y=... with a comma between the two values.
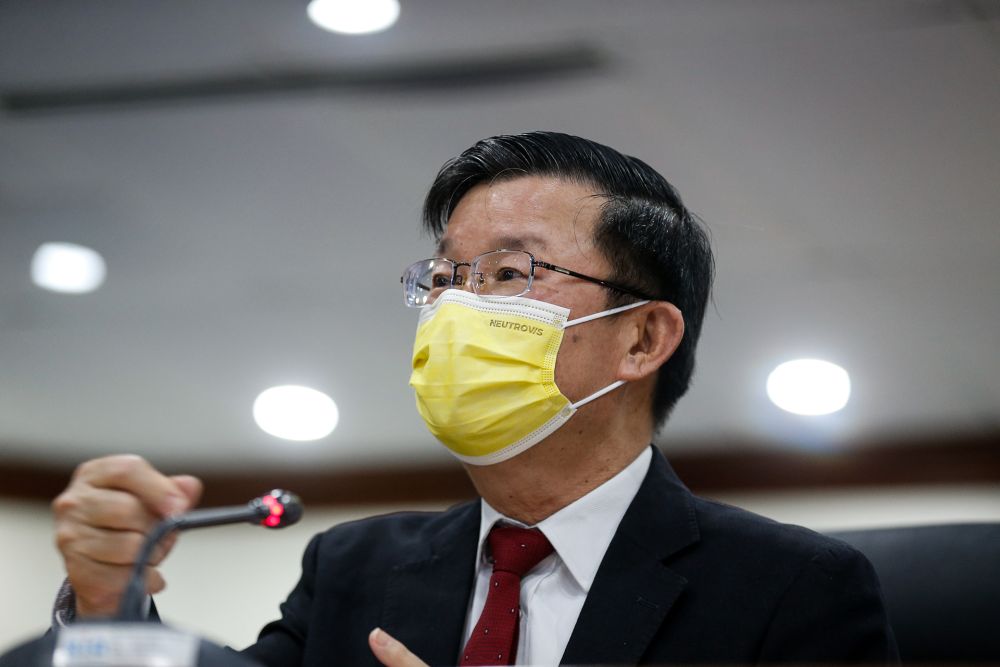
x=652, y=242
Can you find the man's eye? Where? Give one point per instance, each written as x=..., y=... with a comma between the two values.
x=440, y=280
x=508, y=274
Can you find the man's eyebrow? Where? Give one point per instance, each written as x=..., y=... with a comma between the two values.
x=528, y=242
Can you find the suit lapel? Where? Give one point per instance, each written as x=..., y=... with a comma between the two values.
x=633, y=589
x=427, y=597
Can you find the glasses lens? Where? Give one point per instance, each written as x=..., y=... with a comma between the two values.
x=502, y=273
x=424, y=280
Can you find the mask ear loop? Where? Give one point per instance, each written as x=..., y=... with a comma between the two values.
x=597, y=394
x=604, y=313
x=587, y=318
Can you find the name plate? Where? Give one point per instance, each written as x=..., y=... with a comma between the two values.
x=124, y=645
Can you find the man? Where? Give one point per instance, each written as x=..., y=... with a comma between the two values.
x=558, y=328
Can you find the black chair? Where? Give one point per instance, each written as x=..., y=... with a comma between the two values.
x=941, y=587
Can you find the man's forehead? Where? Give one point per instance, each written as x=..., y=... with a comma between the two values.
x=527, y=213
x=528, y=241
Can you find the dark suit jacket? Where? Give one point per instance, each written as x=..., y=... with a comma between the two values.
x=685, y=580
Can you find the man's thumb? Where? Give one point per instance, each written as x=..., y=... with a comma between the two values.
x=191, y=486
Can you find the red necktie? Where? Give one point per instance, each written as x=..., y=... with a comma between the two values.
x=515, y=552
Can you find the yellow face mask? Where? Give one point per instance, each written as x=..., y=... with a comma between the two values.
x=484, y=373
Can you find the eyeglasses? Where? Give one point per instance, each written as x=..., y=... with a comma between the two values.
x=497, y=273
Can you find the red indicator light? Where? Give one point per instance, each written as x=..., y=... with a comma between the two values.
x=270, y=501
x=272, y=521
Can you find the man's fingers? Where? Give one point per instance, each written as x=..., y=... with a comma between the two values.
x=190, y=486
x=103, y=508
x=110, y=547
x=102, y=519
x=164, y=548
x=391, y=652
x=154, y=581
x=134, y=475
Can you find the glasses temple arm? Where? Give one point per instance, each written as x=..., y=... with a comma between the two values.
x=602, y=283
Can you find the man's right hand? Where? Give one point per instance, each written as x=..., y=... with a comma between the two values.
x=101, y=520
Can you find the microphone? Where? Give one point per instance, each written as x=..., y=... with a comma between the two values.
x=129, y=639
x=276, y=509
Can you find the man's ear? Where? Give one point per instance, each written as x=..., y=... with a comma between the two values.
x=652, y=335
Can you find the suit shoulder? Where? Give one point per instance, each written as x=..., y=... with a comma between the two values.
x=754, y=534
x=402, y=532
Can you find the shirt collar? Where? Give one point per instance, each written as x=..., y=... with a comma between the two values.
x=581, y=532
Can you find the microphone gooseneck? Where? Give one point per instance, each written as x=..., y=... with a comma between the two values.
x=276, y=509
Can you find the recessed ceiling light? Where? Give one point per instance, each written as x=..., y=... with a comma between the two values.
x=293, y=412
x=353, y=17
x=67, y=267
x=809, y=387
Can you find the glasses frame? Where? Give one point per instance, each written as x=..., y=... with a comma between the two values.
x=457, y=280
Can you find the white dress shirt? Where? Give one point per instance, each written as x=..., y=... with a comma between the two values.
x=553, y=593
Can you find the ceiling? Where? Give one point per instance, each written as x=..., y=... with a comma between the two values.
x=844, y=154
